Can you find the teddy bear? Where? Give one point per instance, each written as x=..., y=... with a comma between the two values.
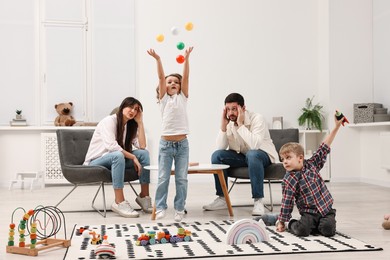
x=64, y=118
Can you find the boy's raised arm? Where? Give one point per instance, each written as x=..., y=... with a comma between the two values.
x=329, y=139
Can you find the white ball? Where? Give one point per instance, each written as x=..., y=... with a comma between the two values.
x=175, y=31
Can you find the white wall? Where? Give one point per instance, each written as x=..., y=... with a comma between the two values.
x=370, y=141
x=265, y=50
x=350, y=77
x=17, y=55
x=275, y=53
x=381, y=51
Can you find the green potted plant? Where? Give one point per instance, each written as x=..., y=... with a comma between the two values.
x=311, y=115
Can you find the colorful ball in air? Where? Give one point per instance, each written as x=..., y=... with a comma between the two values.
x=160, y=38
x=174, y=31
x=180, y=45
x=189, y=26
x=180, y=59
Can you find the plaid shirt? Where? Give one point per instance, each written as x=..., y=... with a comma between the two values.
x=307, y=188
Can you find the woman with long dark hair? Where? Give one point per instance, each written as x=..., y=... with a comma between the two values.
x=112, y=147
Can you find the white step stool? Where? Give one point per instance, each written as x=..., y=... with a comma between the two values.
x=33, y=177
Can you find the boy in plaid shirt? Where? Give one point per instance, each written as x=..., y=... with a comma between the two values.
x=304, y=185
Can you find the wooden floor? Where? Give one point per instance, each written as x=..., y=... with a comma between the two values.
x=360, y=209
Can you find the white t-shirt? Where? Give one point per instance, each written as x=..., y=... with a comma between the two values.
x=104, y=139
x=174, y=114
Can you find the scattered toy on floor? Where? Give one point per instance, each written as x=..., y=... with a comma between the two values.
x=386, y=222
x=163, y=237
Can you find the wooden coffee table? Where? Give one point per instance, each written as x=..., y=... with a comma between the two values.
x=203, y=169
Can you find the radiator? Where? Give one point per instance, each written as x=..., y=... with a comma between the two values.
x=50, y=160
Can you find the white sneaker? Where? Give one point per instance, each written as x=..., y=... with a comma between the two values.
x=124, y=209
x=179, y=215
x=145, y=203
x=218, y=203
x=160, y=214
x=258, y=208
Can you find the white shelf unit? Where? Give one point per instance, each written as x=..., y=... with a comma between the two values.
x=311, y=140
x=362, y=125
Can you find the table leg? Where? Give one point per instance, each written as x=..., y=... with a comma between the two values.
x=225, y=191
x=154, y=212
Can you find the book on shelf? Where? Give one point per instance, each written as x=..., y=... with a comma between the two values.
x=18, y=122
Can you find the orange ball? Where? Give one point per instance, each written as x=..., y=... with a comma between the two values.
x=160, y=38
x=12, y=225
x=180, y=59
x=189, y=26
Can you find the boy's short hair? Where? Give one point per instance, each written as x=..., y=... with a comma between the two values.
x=291, y=147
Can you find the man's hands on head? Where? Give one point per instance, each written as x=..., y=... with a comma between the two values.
x=225, y=120
x=241, y=115
x=235, y=113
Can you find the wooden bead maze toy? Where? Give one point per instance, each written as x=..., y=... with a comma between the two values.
x=50, y=220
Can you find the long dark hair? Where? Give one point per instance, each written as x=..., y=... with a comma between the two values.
x=131, y=125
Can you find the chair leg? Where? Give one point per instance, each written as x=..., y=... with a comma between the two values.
x=136, y=193
x=104, y=213
x=271, y=208
x=101, y=186
x=74, y=187
x=231, y=187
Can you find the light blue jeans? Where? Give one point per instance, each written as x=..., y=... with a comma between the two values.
x=169, y=152
x=117, y=163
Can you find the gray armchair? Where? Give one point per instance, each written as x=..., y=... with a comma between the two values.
x=275, y=171
x=72, y=147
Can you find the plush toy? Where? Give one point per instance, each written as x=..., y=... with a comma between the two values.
x=64, y=118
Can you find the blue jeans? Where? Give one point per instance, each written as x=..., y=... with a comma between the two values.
x=255, y=160
x=117, y=163
x=169, y=152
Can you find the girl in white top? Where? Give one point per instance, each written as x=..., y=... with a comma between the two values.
x=172, y=94
x=112, y=147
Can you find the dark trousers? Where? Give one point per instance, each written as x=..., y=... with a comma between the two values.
x=314, y=223
x=255, y=160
